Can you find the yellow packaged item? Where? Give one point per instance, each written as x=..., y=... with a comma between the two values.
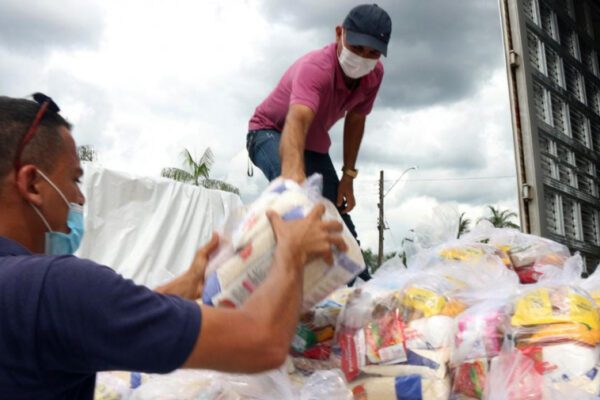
x=426, y=301
x=556, y=333
x=556, y=305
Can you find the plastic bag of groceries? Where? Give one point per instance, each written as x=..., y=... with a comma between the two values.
x=555, y=332
x=557, y=308
x=543, y=374
x=313, y=342
x=409, y=387
x=358, y=310
x=480, y=330
x=246, y=251
x=461, y=253
x=402, y=332
x=592, y=285
x=117, y=385
x=326, y=385
x=440, y=227
x=211, y=385
x=185, y=385
x=479, y=336
x=529, y=252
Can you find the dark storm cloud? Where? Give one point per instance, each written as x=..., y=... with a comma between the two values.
x=33, y=27
x=440, y=50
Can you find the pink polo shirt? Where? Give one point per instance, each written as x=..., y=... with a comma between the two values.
x=316, y=80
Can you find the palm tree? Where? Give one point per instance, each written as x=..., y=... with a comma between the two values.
x=197, y=172
x=463, y=225
x=501, y=218
x=86, y=153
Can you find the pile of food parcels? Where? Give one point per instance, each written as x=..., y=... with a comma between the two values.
x=496, y=314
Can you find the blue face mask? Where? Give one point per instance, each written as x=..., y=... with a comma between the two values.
x=58, y=243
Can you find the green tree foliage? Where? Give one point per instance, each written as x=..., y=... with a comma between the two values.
x=86, y=153
x=502, y=218
x=371, y=258
x=463, y=225
x=197, y=172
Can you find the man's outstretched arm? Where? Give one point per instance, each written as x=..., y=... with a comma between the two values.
x=257, y=336
x=354, y=128
x=293, y=140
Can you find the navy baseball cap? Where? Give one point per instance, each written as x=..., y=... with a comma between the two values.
x=368, y=25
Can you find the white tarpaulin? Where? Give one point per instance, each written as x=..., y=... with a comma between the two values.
x=148, y=229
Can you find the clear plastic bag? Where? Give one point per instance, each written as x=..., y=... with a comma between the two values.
x=441, y=227
x=409, y=387
x=248, y=243
x=552, y=342
x=210, y=385
x=455, y=252
x=112, y=386
x=556, y=372
x=406, y=330
x=185, y=385
x=479, y=337
x=326, y=385
x=513, y=376
x=555, y=314
x=529, y=252
x=592, y=285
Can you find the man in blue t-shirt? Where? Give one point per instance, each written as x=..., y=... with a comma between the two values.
x=62, y=318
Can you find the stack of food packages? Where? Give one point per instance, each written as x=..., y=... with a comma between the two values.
x=460, y=323
x=554, y=331
x=527, y=253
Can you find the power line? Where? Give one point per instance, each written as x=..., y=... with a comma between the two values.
x=469, y=178
x=473, y=178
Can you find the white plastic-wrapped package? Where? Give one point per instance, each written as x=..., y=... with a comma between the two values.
x=410, y=387
x=185, y=385
x=210, y=385
x=326, y=385
x=112, y=386
x=592, y=285
x=458, y=252
x=245, y=255
x=527, y=252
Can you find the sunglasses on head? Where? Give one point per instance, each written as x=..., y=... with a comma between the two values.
x=46, y=103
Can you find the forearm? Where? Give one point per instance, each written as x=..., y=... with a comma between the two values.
x=291, y=149
x=186, y=285
x=354, y=128
x=276, y=303
x=255, y=337
x=293, y=139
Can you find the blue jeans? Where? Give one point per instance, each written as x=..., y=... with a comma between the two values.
x=263, y=149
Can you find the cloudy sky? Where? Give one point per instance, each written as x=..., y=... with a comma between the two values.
x=143, y=79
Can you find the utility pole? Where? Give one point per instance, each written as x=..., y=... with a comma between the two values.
x=380, y=222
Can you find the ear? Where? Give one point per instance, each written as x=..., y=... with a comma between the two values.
x=338, y=32
x=28, y=182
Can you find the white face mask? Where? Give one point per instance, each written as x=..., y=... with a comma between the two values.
x=353, y=65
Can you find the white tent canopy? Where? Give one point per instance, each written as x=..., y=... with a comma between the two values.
x=148, y=229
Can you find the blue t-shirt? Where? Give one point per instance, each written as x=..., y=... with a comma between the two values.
x=62, y=319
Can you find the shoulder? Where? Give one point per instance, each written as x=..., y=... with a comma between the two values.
x=75, y=268
x=70, y=275
x=318, y=63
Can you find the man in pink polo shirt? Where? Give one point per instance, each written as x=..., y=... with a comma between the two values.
x=289, y=131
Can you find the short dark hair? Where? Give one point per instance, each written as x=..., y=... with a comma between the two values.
x=46, y=146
